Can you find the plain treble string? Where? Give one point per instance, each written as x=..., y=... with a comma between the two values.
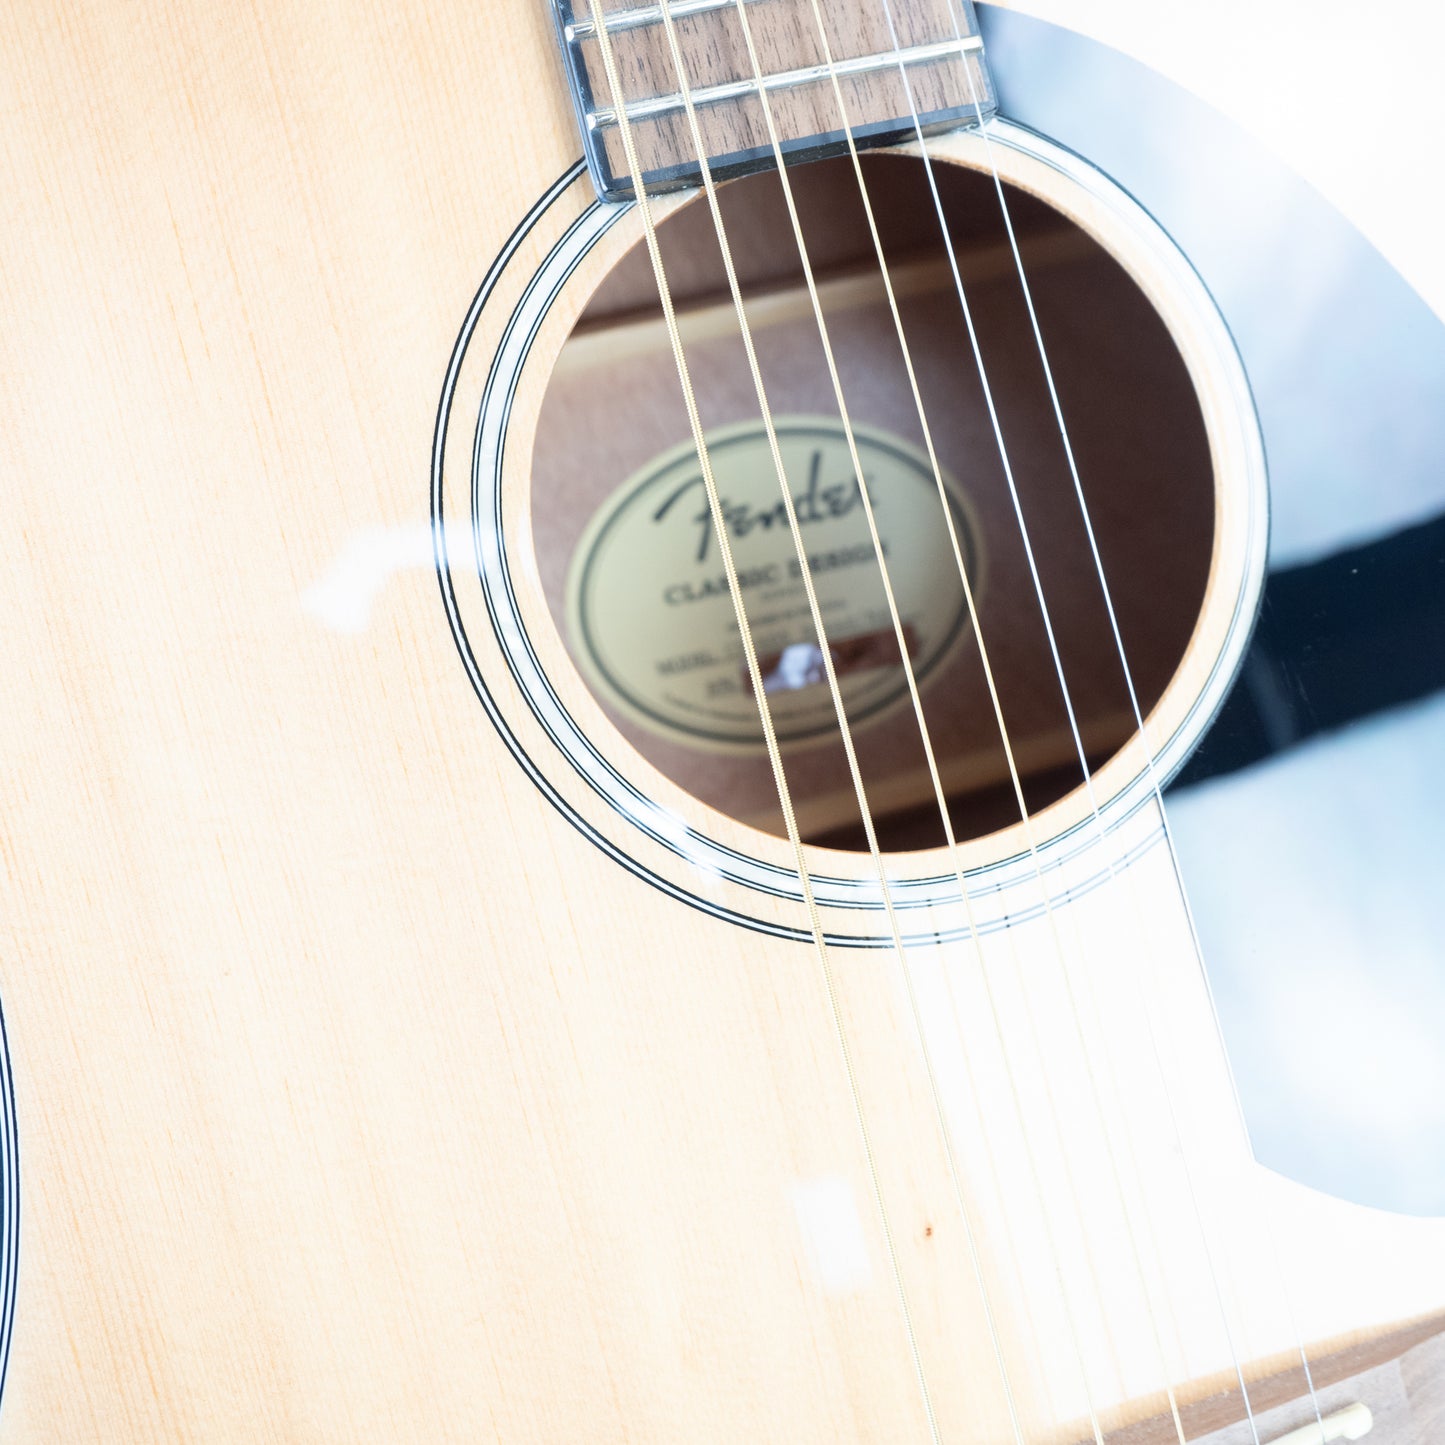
x=1068, y=703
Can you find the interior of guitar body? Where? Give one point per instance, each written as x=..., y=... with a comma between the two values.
x=1132, y=421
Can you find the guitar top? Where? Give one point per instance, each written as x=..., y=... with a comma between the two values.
x=584, y=866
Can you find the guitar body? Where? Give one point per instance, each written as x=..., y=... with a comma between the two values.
x=359, y=1085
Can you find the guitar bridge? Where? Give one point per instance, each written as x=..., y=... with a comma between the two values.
x=902, y=67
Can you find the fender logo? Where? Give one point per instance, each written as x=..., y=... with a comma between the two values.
x=815, y=503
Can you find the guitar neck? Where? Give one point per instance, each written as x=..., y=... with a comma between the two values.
x=894, y=69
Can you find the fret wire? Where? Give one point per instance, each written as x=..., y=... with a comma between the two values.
x=618, y=21
x=606, y=116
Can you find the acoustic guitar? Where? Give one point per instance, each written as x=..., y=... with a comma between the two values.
x=720, y=723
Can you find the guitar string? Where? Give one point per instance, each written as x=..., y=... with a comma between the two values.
x=1156, y=1251
x=1125, y=1212
x=1118, y=1183
x=835, y=690
x=765, y=713
x=923, y=727
x=1112, y=1073
x=901, y=640
x=1151, y=767
x=842, y=716
x=1052, y=644
x=1150, y=761
x=1152, y=1029
x=898, y=631
x=883, y=571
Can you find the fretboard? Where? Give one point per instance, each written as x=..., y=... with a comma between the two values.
x=878, y=69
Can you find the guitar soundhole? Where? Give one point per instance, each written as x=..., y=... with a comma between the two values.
x=631, y=569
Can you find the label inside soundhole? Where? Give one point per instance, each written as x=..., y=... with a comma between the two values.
x=652, y=618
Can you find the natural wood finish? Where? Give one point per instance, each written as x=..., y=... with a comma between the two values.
x=360, y=1095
